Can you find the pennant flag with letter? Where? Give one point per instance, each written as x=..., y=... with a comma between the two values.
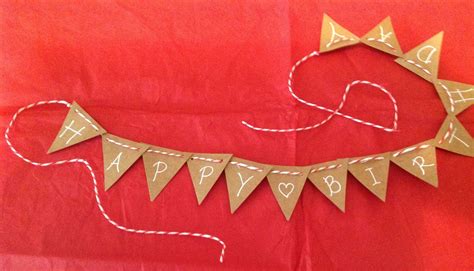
x=455, y=138
x=330, y=178
x=456, y=97
x=77, y=127
x=334, y=36
x=286, y=183
x=243, y=176
x=119, y=155
x=382, y=37
x=161, y=165
x=424, y=58
x=372, y=172
x=205, y=169
x=419, y=160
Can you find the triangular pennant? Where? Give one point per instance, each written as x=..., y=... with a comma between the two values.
x=383, y=38
x=330, y=178
x=419, y=160
x=77, y=127
x=243, y=177
x=372, y=172
x=456, y=97
x=161, y=165
x=424, y=58
x=119, y=155
x=334, y=36
x=453, y=137
x=287, y=183
x=205, y=169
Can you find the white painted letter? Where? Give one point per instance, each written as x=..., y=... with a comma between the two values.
x=383, y=36
x=68, y=128
x=205, y=174
x=243, y=183
x=158, y=169
x=373, y=176
x=116, y=162
x=428, y=57
x=420, y=162
x=463, y=99
x=453, y=135
x=335, y=37
x=329, y=180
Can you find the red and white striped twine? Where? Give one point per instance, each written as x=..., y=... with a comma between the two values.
x=96, y=191
x=411, y=149
x=450, y=97
x=333, y=112
x=448, y=132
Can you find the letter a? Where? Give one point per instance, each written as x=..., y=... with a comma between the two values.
x=116, y=162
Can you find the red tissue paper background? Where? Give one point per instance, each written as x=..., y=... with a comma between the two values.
x=183, y=75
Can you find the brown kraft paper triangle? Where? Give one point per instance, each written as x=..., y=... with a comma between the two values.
x=161, y=165
x=419, y=160
x=424, y=58
x=456, y=97
x=77, y=127
x=205, y=169
x=334, y=36
x=119, y=155
x=454, y=138
x=242, y=177
x=382, y=37
x=373, y=173
x=330, y=178
x=286, y=183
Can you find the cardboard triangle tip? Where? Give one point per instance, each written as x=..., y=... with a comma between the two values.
x=382, y=198
x=51, y=150
x=107, y=186
x=153, y=197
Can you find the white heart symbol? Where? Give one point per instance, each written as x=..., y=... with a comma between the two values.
x=289, y=190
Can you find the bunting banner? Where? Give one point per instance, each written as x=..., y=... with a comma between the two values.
x=161, y=165
x=287, y=182
x=119, y=155
x=244, y=176
x=420, y=161
x=453, y=137
x=424, y=58
x=456, y=97
x=205, y=169
x=372, y=172
x=382, y=37
x=77, y=127
x=330, y=179
x=334, y=36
